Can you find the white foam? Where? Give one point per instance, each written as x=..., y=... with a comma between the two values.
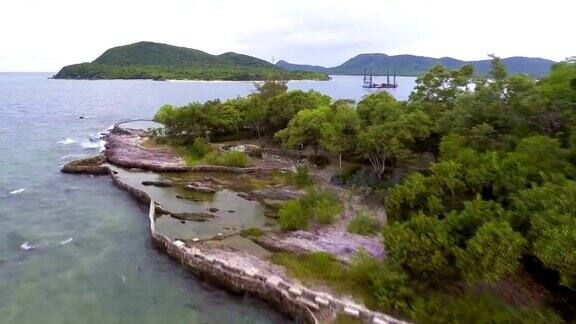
x=26, y=246
x=67, y=141
x=66, y=241
x=17, y=191
x=91, y=145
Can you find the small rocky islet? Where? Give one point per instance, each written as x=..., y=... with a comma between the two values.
x=199, y=214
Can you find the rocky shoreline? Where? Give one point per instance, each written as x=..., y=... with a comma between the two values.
x=235, y=270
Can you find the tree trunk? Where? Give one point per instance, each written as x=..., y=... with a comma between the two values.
x=340, y=160
x=378, y=161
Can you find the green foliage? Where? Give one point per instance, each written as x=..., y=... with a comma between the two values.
x=200, y=148
x=548, y=214
x=493, y=252
x=311, y=266
x=229, y=159
x=340, y=134
x=234, y=159
x=422, y=246
x=146, y=60
x=474, y=308
x=364, y=224
x=305, y=128
x=389, y=132
x=292, y=216
x=325, y=211
x=270, y=88
x=319, y=204
x=301, y=178
x=252, y=232
x=282, y=108
x=387, y=285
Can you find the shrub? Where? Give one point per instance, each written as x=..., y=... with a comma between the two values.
x=325, y=211
x=494, y=251
x=387, y=285
x=319, y=204
x=200, y=147
x=292, y=216
x=364, y=224
x=422, y=246
x=301, y=178
x=234, y=159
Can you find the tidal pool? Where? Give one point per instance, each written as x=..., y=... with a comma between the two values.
x=234, y=212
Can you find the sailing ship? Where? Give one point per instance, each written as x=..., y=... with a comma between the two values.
x=370, y=84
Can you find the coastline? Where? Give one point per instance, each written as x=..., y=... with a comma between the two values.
x=233, y=269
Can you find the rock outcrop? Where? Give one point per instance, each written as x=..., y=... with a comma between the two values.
x=123, y=148
x=94, y=165
x=340, y=244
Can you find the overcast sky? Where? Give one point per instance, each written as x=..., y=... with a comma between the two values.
x=44, y=35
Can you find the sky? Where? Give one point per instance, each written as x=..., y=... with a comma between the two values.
x=44, y=35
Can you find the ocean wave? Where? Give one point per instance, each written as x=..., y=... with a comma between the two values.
x=17, y=191
x=91, y=144
x=66, y=141
x=66, y=241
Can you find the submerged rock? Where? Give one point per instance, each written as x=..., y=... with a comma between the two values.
x=201, y=187
x=158, y=183
x=195, y=217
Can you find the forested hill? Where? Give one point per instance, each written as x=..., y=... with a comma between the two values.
x=147, y=60
x=411, y=65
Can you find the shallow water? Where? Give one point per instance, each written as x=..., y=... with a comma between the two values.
x=74, y=249
x=234, y=213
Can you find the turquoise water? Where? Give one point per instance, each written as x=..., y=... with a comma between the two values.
x=74, y=249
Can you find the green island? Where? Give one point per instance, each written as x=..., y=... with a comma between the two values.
x=414, y=66
x=477, y=177
x=147, y=60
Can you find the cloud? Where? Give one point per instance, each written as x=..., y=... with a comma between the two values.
x=40, y=35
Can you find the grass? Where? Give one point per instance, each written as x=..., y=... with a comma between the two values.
x=319, y=204
x=364, y=224
x=251, y=232
x=321, y=268
x=229, y=159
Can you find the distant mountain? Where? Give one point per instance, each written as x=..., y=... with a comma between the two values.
x=411, y=65
x=147, y=60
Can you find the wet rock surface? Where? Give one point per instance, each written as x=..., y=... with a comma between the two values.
x=202, y=186
x=158, y=183
x=195, y=217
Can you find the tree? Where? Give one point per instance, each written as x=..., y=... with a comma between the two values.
x=547, y=214
x=340, y=134
x=282, y=108
x=390, y=139
x=305, y=129
x=255, y=114
x=464, y=224
x=270, y=88
x=442, y=86
x=493, y=252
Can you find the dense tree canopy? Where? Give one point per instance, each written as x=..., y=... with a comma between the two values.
x=501, y=187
